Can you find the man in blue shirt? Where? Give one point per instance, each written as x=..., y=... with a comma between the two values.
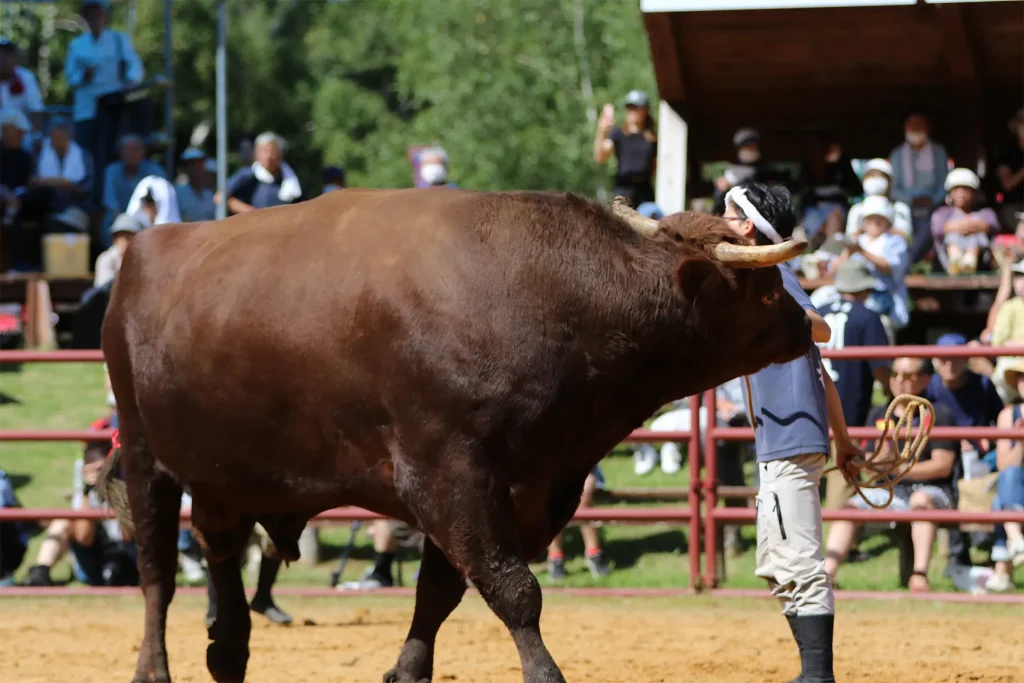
x=792, y=406
x=268, y=182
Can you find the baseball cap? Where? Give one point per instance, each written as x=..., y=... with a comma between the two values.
x=14, y=117
x=951, y=339
x=193, y=153
x=126, y=222
x=636, y=98
x=852, y=276
x=882, y=165
x=877, y=205
x=745, y=136
x=962, y=177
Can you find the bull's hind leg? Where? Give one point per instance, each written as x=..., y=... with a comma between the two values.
x=155, y=498
x=439, y=590
x=475, y=526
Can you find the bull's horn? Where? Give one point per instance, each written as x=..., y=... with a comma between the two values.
x=743, y=256
x=644, y=226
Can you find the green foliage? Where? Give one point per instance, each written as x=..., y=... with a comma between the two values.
x=498, y=84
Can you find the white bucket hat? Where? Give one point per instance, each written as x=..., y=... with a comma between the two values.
x=962, y=177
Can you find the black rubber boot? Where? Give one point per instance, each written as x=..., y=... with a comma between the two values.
x=262, y=602
x=794, y=627
x=816, y=653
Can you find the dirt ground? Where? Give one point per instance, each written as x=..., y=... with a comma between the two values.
x=95, y=640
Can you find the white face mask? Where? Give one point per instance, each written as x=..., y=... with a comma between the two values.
x=876, y=186
x=748, y=156
x=916, y=138
x=433, y=174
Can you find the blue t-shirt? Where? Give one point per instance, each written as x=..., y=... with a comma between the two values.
x=790, y=412
x=853, y=325
x=974, y=404
x=244, y=185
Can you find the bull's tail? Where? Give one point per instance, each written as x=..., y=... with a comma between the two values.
x=114, y=491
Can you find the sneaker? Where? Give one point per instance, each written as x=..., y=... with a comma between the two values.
x=969, y=579
x=999, y=583
x=38, y=575
x=671, y=459
x=597, y=565
x=370, y=581
x=645, y=459
x=556, y=570
x=1016, y=550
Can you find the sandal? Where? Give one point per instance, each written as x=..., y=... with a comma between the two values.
x=919, y=588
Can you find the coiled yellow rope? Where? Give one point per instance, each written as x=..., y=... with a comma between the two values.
x=885, y=473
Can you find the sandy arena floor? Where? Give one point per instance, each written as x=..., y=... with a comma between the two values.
x=94, y=640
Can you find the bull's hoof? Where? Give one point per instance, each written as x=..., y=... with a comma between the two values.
x=396, y=676
x=226, y=663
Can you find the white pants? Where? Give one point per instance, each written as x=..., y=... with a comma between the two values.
x=789, y=545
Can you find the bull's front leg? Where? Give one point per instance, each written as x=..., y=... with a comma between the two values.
x=439, y=590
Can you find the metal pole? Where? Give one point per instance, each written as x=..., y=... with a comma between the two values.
x=222, y=108
x=169, y=93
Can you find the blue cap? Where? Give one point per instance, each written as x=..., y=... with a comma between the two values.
x=952, y=339
x=636, y=98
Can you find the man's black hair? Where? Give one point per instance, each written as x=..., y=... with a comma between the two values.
x=775, y=203
x=925, y=367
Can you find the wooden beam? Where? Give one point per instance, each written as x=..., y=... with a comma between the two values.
x=958, y=49
x=665, y=55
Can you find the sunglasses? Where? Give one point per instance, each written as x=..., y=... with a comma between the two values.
x=904, y=376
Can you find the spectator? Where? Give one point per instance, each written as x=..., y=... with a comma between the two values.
x=121, y=177
x=13, y=535
x=99, y=62
x=195, y=197
x=1008, y=249
x=919, y=166
x=1008, y=549
x=1009, y=323
x=16, y=164
x=388, y=536
x=109, y=262
x=155, y=200
x=971, y=398
x=1010, y=172
x=748, y=167
x=593, y=556
x=927, y=486
x=430, y=166
x=828, y=189
x=333, y=179
x=877, y=182
x=268, y=182
x=635, y=146
x=961, y=232
x=59, y=192
x=19, y=89
x=885, y=255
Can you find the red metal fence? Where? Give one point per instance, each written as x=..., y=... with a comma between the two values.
x=713, y=515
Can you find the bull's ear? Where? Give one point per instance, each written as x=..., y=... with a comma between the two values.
x=695, y=274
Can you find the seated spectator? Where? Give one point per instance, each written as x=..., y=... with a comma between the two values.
x=155, y=200
x=592, y=554
x=123, y=176
x=919, y=171
x=885, y=254
x=101, y=555
x=1008, y=549
x=109, y=262
x=16, y=164
x=1008, y=249
x=1009, y=323
x=432, y=168
x=960, y=230
x=749, y=167
x=100, y=63
x=58, y=195
x=13, y=535
x=877, y=182
x=929, y=485
x=19, y=89
x=270, y=181
x=195, y=197
x=388, y=536
x=828, y=189
x=333, y=179
x=1010, y=172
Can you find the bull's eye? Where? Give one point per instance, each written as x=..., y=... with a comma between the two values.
x=769, y=299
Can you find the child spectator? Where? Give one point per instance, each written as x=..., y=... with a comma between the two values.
x=1008, y=549
x=877, y=182
x=593, y=556
x=635, y=146
x=195, y=197
x=960, y=231
x=885, y=255
x=927, y=486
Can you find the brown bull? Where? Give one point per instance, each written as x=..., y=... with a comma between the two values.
x=454, y=359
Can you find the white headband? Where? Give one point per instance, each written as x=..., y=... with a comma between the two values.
x=738, y=196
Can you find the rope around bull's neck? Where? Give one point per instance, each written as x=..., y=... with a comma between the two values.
x=885, y=473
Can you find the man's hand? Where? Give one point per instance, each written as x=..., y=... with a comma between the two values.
x=846, y=453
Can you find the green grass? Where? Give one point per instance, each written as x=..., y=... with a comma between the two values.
x=71, y=396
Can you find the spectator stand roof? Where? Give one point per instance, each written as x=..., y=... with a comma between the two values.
x=800, y=71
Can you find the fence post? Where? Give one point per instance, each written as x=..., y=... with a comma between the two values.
x=710, y=495
x=693, y=455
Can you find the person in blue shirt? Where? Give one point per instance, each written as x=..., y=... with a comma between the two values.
x=792, y=406
x=269, y=181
